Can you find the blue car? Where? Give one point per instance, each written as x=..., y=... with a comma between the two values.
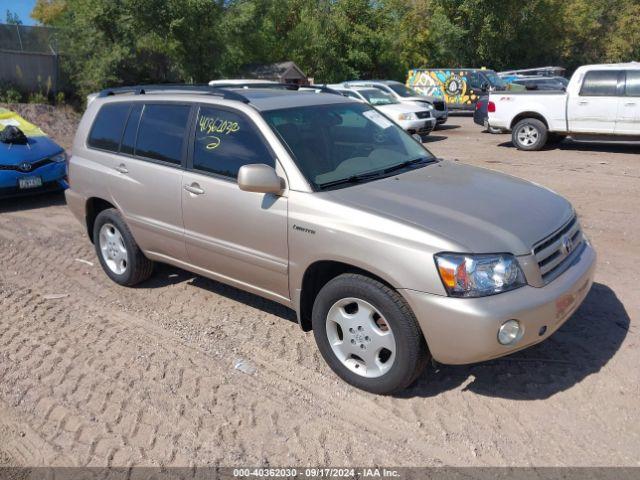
x=37, y=166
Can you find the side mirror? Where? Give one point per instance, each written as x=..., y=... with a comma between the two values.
x=417, y=138
x=260, y=178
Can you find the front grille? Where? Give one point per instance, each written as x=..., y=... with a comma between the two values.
x=438, y=105
x=554, y=252
x=34, y=165
x=424, y=114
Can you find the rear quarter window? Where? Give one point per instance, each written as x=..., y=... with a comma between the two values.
x=108, y=126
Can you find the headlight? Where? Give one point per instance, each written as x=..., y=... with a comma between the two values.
x=478, y=275
x=407, y=116
x=59, y=158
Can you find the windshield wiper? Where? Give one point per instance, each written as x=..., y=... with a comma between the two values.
x=352, y=179
x=409, y=163
x=377, y=173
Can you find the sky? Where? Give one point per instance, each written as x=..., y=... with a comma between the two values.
x=21, y=7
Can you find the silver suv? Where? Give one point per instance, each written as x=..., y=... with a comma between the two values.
x=407, y=95
x=316, y=201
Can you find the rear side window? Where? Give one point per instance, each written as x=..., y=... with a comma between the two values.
x=108, y=126
x=600, y=83
x=161, y=132
x=225, y=141
x=633, y=83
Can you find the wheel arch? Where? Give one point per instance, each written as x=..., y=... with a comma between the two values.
x=93, y=207
x=316, y=276
x=524, y=115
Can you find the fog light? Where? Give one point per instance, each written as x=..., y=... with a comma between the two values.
x=510, y=332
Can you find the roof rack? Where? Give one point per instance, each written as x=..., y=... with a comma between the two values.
x=227, y=91
x=274, y=85
x=175, y=88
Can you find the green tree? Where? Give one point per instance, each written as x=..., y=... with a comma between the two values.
x=12, y=18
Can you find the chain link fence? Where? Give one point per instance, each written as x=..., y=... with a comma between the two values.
x=29, y=58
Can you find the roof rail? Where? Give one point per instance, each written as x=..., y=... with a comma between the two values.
x=176, y=88
x=274, y=85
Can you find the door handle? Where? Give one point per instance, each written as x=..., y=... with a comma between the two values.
x=194, y=188
x=630, y=104
x=122, y=168
x=583, y=102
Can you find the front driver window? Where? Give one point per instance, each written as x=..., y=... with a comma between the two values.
x=225, y=141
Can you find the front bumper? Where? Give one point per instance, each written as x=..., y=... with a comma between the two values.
x=465, y=330
x=421, y=127
x=441, y=116
x=53, y=176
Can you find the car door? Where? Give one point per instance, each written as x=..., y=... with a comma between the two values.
x=236, y=236
x=629, y=118
x=147, y=185
x=595, y=108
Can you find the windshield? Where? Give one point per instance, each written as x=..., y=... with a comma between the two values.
x=494, y=80
x=333, y=143
x=377, y=97
x=403, y=90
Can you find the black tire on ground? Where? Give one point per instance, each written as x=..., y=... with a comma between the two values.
x=411, y=354
x=529, y=134
x=138, y=267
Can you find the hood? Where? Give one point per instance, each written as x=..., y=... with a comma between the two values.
x=37, y=148
x=482, y=210
x=423, y=99
x=402, y=108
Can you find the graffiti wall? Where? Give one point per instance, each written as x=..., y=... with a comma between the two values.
x=453, y=86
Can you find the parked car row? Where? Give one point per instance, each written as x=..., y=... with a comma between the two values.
x=413, y=118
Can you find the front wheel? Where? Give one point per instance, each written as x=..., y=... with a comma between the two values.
x=529, y=134
x=368, y=335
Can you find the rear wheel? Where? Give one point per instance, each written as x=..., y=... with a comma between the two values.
x=119, y=254
x=368, y=335
x=529, y=134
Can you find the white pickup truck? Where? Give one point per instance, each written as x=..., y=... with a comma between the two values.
x=600, y=102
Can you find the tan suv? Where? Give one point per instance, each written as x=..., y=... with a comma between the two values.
x=319, y=202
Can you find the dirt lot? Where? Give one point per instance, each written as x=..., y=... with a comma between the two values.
x=110, y=375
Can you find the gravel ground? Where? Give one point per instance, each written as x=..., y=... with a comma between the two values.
x=96, y=374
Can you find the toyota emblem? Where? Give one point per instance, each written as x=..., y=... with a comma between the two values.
x=566, y=245
x=25, y=167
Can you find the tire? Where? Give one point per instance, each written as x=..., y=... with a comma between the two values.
x=391, y=370
x=118, y=253
x=529, y=134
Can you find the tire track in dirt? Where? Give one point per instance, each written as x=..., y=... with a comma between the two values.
x=32, y=306
x=176, y=310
